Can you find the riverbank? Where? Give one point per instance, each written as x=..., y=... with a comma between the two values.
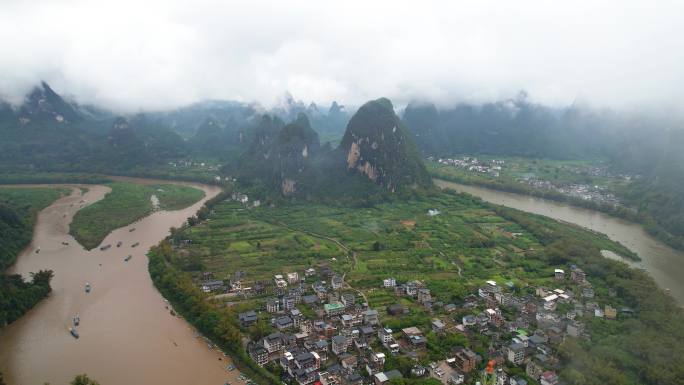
x=30, y=176
x=663, y=263
x=219, y=324
x=18, y=213
x=124, y=204
x=19, y=208
x=127, y=335
x=649, y=223
x=616, y=211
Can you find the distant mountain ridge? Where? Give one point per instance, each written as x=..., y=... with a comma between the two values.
x=42, y=103
x=48, y=133
x=512, y=127
x=236, y=117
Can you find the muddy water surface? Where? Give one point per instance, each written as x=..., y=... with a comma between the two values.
x=665, y=264
x=127, y=335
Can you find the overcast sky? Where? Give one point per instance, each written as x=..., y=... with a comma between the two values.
x=132, y=55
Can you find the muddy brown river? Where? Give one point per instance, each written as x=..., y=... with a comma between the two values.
x=127, y=335
x=663, y=263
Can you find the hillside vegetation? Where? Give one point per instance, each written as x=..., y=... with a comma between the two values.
x=375, y=158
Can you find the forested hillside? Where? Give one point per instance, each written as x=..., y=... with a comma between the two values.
x=512, y=127
x=49, y=133
x=659, y=193
x=378, y=146
x=376, y=156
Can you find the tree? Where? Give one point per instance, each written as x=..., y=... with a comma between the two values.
x=82, y=379
x=42, y=278
x=2, y=381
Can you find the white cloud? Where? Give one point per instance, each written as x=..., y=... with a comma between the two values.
x=157, y=54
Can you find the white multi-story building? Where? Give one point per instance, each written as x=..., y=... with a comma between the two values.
x=385, y=335
x=292, y=278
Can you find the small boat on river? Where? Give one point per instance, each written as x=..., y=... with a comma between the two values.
x=73, y=332
x=118, y=244
x=131, y=230
x=105, y=247
x=77, y=320
x=128, y=258
x=135, y=244
x=88, y=287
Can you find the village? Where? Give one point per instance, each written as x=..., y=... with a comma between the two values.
x=472, y=164
x=193, y=164
x=322, y=331
x=494, y=168
x=597, y=194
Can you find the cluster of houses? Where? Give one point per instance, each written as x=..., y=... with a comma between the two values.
x=190, y=163
x=472, y=164
x=342, y=341
x=602, y=171
x=234, y=286
x=209, y=284
x=537, y=324
x=598, y=194
x=330, y=347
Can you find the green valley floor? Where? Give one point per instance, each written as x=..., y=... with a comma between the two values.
x=446, y=243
